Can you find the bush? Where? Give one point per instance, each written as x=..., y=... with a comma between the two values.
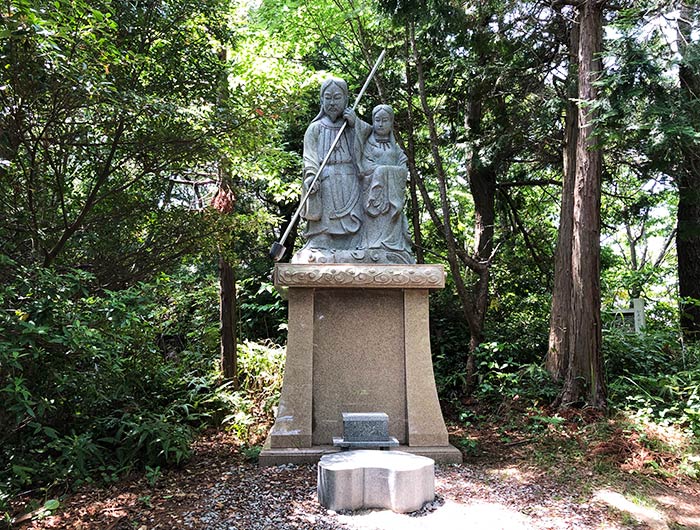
x=662, y=398
x=260, y=367
x=87, y=391
x=501, y=375
x=653, y=375
x=628, y=353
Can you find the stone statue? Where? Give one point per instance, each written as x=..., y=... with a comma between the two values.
x=333, y=211
x=354, y=211
x=383, y=170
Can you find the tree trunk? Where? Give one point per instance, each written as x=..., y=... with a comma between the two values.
x=411, y=155
x=482, y=183
x=228, y=318
x=688, y=234
x=228, y=314
x=560, y=318
x=584, y=382
x=482, y=179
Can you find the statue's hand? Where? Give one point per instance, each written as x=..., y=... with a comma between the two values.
x=349, y=116
x=307, y=182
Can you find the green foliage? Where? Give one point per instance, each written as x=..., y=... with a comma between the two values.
x=95, y=385
x=654, y=376
x=508, y=365
x=106, y=105
x=261, y=381
x=88, y=388
x=263, y=312
x=628, y=353
x=503, y=376
x=152, y=475
x=449, y=339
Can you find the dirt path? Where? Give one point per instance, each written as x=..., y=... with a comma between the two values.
x=503, y=488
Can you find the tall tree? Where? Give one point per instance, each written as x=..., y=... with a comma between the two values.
x=468, y=118
x=688, y=178
x=560, y=317
x=584, y=378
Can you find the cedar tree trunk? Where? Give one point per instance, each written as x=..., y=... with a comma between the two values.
x=228, y=316
x=584, y=381
x=560, y=319
x=688, y=234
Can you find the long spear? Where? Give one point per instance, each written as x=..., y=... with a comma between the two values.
x=278, y=249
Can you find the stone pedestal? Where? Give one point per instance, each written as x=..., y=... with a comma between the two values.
x=358, y=341
x=370, y=479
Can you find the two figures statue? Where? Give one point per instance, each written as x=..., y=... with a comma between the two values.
x=354, y=211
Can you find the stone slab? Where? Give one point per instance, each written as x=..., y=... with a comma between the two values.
x=365, y=426
x=293, y=425
x=394, y=480
x=358, y=359
x=424, y=417
x=276, y=456
x=366, y=444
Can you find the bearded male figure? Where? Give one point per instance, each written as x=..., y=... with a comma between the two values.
x=333, y=210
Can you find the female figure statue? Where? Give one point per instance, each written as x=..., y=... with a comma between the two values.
x=383, y=169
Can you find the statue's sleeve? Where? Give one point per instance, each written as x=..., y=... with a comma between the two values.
x=311, y=211
x=397, y=176
x=311, y=158
x=362, y=132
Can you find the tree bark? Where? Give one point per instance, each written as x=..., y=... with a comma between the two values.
x=560, y=318
x=688, y=233
x=584, y=382
x=228, y=316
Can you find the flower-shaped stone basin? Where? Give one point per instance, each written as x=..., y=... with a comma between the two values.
x=394, y=480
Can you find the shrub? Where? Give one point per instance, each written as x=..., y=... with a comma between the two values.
x=86, y=392
x=254, y=403
x=629, y=353
x=503, y=376
x=653, y=375
x=666, y=398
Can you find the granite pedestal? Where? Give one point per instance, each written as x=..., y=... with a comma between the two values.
x=397, y=481
x=358, y=341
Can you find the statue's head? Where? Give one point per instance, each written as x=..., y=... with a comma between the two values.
x=334, y=97
x=382, y=120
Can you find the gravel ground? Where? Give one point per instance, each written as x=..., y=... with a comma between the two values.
x=217, y=490
x=284, y=498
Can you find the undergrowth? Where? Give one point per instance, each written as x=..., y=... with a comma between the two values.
x=653, y=420
x=95, y=384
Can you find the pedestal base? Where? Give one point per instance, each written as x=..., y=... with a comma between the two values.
x=358, y=341
x=311, y=455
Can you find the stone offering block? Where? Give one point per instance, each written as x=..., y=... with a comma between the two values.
x=365, y=430
x=394, y=480
x=365, y=426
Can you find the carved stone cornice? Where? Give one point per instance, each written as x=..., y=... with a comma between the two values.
x=335, y=275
